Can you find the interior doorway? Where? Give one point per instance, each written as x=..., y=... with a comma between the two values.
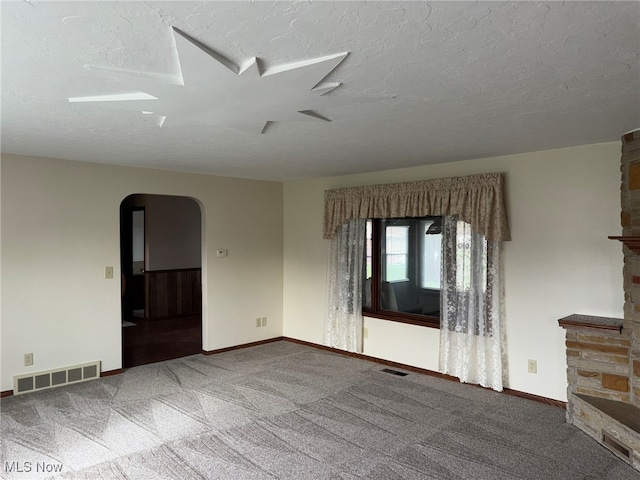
x=132, y=228
x=160, y=245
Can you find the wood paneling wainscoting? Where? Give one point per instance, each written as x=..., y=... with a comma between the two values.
x=172, y=293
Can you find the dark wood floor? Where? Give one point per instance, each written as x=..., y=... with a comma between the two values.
x=158, y=340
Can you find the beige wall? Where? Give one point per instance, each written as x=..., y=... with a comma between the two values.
x=562, y=205
x=60, y=229
x=60, y=225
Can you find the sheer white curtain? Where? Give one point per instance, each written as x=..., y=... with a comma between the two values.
x=471, y=330
x=343, y=327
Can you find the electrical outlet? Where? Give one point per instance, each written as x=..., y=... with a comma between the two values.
x=264, y=321
x=258, y=322
x=28, y=359
x=533, y=366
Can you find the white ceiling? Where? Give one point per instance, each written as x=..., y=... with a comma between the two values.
x=451, y=81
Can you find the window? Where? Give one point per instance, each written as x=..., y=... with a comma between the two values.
x=403, y=263
x=397, y=253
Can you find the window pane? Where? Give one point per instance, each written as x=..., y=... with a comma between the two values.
x=430, y=259
x=397, y=249
x=409, y=259
x=369, y=249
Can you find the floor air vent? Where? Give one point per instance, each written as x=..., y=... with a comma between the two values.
x=32, y=382
x=394, y=372
x=617, y=447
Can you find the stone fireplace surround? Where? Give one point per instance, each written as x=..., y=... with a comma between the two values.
x=603, y=354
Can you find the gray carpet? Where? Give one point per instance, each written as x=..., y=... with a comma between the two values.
x=288, y=411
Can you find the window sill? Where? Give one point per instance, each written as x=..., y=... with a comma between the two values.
x=401, y=317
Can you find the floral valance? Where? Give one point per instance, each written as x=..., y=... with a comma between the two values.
x=476, y=199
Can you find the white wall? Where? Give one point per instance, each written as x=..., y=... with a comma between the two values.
x=562, y=204
x=60, y=228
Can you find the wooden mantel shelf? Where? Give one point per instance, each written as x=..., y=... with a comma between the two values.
x=631, y=242
x=590, y=321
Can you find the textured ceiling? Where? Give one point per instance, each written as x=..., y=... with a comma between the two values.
x=211, y=91
x=452, y=80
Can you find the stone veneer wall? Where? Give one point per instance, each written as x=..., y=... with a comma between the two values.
x=630, y=219
x=598, y=363
x=603, y=354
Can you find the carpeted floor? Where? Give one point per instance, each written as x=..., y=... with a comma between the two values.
x=284, y=410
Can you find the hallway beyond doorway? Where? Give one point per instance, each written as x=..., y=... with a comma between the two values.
x=161, y=258
x=152, y=341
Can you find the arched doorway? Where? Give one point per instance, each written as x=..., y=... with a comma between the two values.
x=161, y=259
